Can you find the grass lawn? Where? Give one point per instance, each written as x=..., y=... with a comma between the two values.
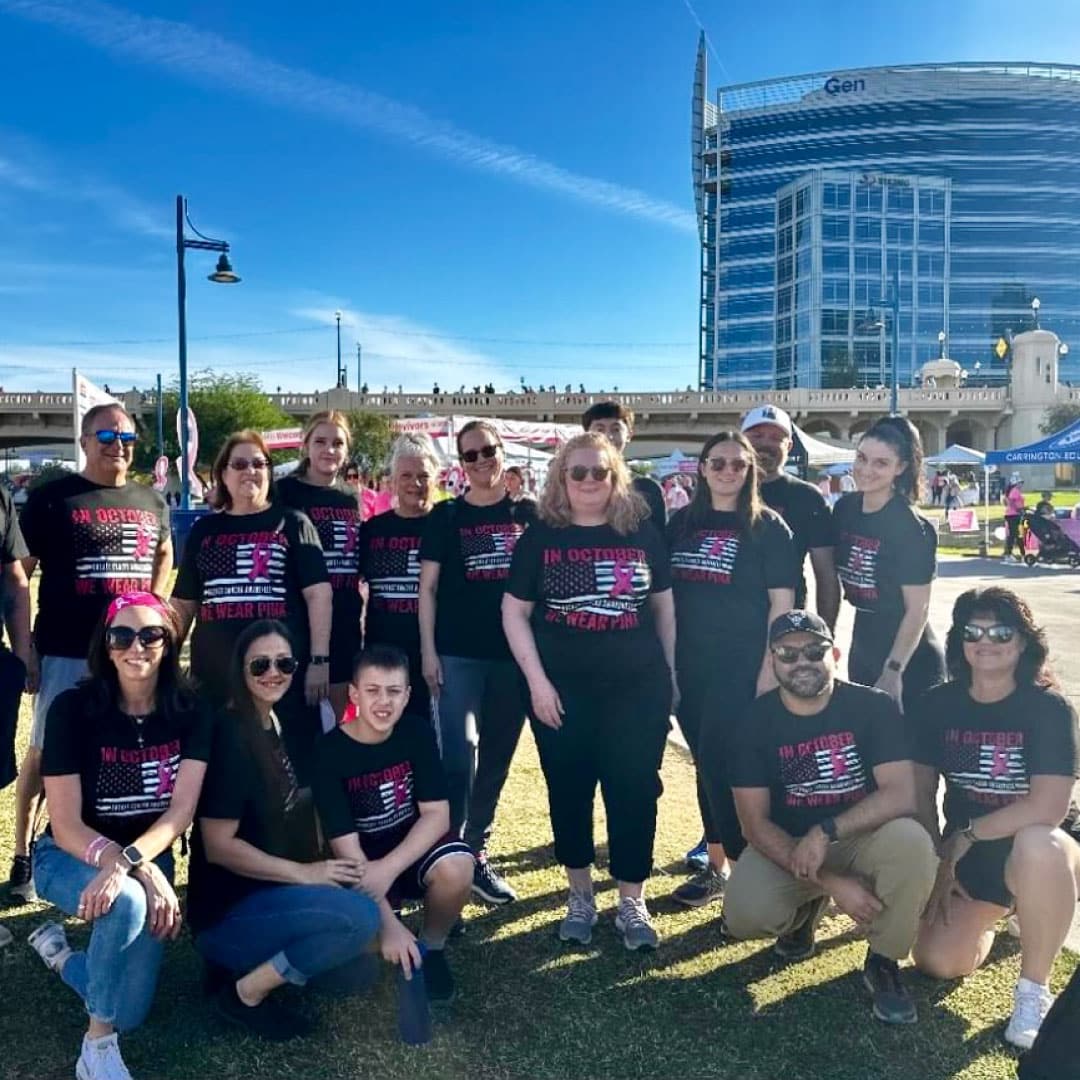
x=529, y=1007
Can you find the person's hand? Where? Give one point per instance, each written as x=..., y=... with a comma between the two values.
x=892, y=682
x=853, y=898
x=546, y=705
x=432, y=672
x=97, y=898
x=162, y=906
x=809, y=854
x=946, y=887
x=33, y=672
x=378, y=877
x=344, y=872
x=316, y=683
x=398, y=946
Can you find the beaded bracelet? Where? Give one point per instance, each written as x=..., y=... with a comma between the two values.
x=95, y=849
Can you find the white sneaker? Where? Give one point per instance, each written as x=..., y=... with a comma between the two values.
x=50, y=943
x=1031, y=1003
x=100, y=1060
x=580, y=918
x=635, y=924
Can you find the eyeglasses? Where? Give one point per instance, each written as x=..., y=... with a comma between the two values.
x=999, y=633
x=260, y=665
x=352, y=476
x=736, y=465
x=121, y=638
x=580, y=472
x=242, y=464
x=471, y=457
x=788, y=654
x=107, y=438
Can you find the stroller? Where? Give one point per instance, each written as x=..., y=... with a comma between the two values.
x=1054, y=546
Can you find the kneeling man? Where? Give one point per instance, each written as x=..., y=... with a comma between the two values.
x=825, y=787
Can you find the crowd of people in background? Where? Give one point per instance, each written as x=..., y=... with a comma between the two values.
x=364, y=659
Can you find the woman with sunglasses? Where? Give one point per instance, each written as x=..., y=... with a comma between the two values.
x=125, y=756
x=315, y=489
x=734, y=569
x=254, y=560
x=1005, y=741
x=886, y=556
x=389, y=556
x=464, y=564
x=265, y=909
x=590, y=619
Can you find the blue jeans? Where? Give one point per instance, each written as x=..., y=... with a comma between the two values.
x=117, y=975
x=481, y=711
x=302, y=930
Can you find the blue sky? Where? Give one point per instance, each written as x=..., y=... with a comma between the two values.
x=486, y=190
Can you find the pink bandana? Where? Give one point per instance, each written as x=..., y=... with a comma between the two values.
x=135, y=599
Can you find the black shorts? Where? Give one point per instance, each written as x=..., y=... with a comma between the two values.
x=12, y=680
x=411, y=884
x=982, y=872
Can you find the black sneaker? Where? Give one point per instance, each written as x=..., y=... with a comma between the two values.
x=892, y=1002
x=459, y=929
x=268, y=1020
x=438, y=979
x=21, y=881
x=798, y=943
x=489, y=884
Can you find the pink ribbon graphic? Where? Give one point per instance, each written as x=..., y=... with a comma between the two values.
x=624, y=579
x=1001, y=763
x=350, y=537
x=260, y=562
x=142, y=542
x=839, y=763
x=718, y=545
x=401, y=792
x=166, y=779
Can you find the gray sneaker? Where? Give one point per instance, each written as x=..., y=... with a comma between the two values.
x=635, y=924
x=580, y=919
x=703, y=888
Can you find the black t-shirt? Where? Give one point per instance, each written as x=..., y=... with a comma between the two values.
x=335, y=513
x=373, y=789
x=988, y=753
x=93, y=543
x=721, y=574
x=242, y=567
x=12, y=546
x=389, y=554
x=653, y=494
x=237, y=789
x=817, y=766
x=127, y=766
x=591, y=588
x=806, y=512
x=473, y=545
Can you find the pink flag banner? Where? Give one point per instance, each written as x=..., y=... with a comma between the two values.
x=161, y=473
x=194, y=483
x=963, y=520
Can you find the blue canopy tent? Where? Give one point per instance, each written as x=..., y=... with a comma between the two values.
x=1062, y=446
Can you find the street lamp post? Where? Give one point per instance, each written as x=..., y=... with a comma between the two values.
x=223, y=275
x=359, y=357
x=340, y=380
x=1035, y=305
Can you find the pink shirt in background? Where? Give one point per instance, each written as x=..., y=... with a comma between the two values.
x=1014, y=503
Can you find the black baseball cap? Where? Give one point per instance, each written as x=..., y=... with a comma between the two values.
x=799, y=622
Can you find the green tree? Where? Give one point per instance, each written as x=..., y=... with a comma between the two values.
x=371, y=438
x=1057, y=417
x=47, y=473
x=222, y=403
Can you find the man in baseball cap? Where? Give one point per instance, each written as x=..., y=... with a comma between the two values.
x=825, y=787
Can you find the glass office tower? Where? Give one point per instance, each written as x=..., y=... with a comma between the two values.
x=954, y=187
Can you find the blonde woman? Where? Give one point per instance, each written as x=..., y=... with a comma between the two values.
x=317, y=489
x=589, y=616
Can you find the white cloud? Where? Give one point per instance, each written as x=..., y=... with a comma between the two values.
x=208, y=58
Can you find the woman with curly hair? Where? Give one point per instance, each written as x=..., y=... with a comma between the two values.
x=1005, y=740
x=590, y=620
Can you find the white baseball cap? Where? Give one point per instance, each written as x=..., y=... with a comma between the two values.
x=767, y=414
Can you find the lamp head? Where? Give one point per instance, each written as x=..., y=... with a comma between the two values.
x=1036, y=304
x=224, y=274
x=941, y=336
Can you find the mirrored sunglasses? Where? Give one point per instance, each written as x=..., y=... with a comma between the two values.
x=999, y=633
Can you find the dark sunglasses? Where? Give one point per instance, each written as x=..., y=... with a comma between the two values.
x=260, y=665
x=242, y=464
x=999, y=633
x=121, y=638
x=580, y=472
x=107, y=438
x=788, y=654
x=736, y=465
x=352, y=476
x=471, y=457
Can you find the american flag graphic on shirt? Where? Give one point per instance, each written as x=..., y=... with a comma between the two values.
x=830, y=774
x=603, y=587
x=394, y=575
x=486, y=550
x=338, y=538
x=253, y=571
x=857, y=567
x=383, y=800
x=135, y=788
x=114, y=550
x=988, y=772
x=711, y=558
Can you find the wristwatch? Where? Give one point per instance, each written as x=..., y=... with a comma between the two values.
x=318, y=661
x=828, y=827
x=894, y=665
x=968, y=832
x=132, y=856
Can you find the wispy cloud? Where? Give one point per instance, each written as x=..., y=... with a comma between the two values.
x=208, y=58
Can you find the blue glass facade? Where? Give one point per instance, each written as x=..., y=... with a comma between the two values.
x=813, y=193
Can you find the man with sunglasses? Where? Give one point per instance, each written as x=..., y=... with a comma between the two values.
x=616, y=421
x=825, y=790
x=95, y=537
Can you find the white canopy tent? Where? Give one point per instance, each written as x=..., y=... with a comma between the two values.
x=957, y=455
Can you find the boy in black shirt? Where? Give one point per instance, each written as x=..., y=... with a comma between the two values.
x=824, y=785
x=616, y=421
x=381, y=795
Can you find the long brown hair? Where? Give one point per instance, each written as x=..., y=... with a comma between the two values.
x=903, y=437
x=219, y=497
x=749, y=506
x=327, y=416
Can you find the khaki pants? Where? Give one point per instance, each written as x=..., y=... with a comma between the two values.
x=897, y=862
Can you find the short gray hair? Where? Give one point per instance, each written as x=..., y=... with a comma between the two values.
x=414, y=444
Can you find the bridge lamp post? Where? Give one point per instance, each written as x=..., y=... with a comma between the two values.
x=222, y=275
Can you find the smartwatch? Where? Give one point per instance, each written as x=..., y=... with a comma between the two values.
x=132, y=856
x=828, y=827
x=894, y=665
x=318, y=661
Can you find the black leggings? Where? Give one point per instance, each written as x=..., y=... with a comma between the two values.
x=926, y=667
x=1012, y=534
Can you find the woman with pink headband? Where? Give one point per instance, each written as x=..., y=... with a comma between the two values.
x=124, y=760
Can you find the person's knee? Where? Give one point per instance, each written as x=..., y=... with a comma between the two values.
x=452, y=873
x=942, y=959
x=906, y=843
x=129, y=909
x=1037, y=851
